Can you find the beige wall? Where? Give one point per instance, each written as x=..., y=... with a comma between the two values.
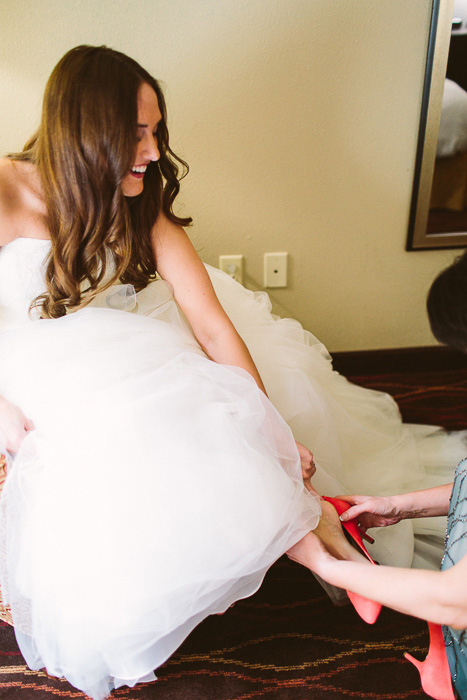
x=299, y=121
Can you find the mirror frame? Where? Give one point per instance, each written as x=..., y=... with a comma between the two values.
x=430, y=113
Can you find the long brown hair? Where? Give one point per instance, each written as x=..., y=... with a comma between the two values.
x=83, y=149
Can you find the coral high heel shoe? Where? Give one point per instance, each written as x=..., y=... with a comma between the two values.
x=350, y=526
x=368, y=610
x=434, y=671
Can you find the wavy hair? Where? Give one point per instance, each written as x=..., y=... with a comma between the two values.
x=83, y=149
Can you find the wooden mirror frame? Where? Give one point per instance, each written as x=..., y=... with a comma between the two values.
x=435, y=73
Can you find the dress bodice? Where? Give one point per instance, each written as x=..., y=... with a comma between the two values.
x=22, y=278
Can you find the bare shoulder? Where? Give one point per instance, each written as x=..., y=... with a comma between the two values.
x=176, y=259
x=8, y=200
x=20, y=203
x=168, y=238
x=12, y=172
x=165, y=230
x=8, y=175
x=16, y=176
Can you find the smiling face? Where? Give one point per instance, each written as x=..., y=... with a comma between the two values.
x=147, y=150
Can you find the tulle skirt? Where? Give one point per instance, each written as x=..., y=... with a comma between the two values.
x=158, y=486
x=357, y=436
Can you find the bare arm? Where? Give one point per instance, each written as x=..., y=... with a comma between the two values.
x=179, y=264
x=380, y=512
x=430, y=595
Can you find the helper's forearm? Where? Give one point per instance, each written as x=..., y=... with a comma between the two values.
x=430, y=595
x=423, y=504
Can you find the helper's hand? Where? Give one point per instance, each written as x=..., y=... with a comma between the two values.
x=13, y=424
x=371, y=511
x=311, y=552
x=307, y=464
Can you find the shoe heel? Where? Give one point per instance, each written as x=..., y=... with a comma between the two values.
x=434, y=672
x=368, y=610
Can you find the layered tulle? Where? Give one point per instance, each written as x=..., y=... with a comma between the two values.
x=158, y=486
x=357, y=435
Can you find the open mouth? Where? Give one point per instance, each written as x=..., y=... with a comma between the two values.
x=138, y=171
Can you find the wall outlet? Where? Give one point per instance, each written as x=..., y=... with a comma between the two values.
x=233, y=266
x=275, y=270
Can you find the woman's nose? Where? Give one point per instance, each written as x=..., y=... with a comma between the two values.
x=151, y=149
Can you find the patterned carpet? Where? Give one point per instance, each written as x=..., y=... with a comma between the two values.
x=288, y=642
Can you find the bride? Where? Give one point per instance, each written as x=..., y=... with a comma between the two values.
x=152, y=482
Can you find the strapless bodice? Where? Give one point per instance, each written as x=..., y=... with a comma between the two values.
x=22, y=279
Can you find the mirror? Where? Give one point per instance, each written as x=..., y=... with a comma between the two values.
x=438, y=216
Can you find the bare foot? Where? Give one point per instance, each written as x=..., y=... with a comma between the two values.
x=329, y=531
x=326, y=538
x=318, y=548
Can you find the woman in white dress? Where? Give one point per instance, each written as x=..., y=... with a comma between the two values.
x=153, y=482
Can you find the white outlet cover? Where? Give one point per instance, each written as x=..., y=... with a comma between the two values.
x=275, y=270
x=233, y=266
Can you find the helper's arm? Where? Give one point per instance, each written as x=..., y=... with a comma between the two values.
x=383, y=511
x=437, y=596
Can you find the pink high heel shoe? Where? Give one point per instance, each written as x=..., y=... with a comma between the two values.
x=368, y=610
x=434, y=671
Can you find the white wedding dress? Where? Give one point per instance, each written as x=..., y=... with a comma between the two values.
x=159, y=486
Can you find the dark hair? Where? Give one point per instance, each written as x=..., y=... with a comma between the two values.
x=447, y=305
x=83, y=149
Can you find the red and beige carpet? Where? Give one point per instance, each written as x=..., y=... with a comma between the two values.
x=288, y=642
